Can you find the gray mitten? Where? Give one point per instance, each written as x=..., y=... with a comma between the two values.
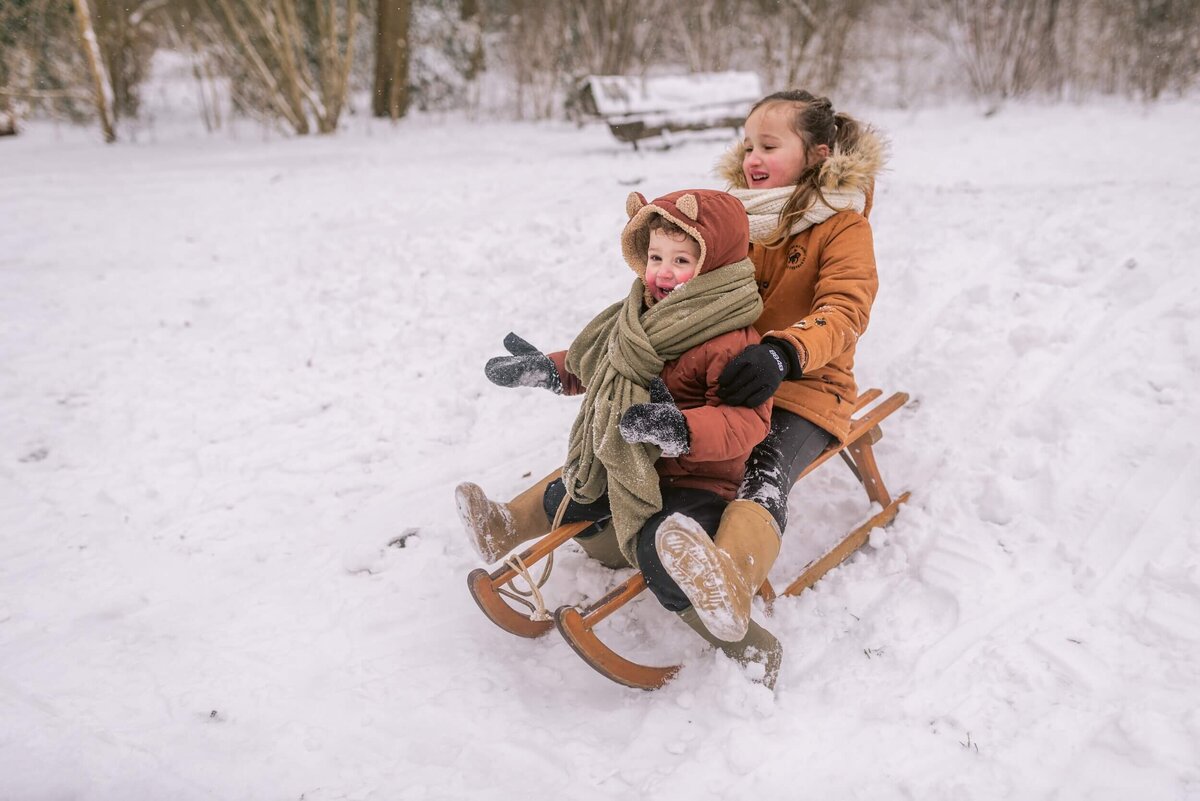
x=526, y=367
x=658, y=422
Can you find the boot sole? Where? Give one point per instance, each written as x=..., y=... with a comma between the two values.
x=474, y=509
x=707, y=579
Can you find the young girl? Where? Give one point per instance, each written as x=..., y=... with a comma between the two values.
x=638, y=457
x=806, y=177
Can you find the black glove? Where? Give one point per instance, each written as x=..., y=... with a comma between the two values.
x=658, y=422
x=754, y=374
x=527, y=367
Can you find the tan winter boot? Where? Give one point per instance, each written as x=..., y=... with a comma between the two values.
x=603, y=547
x=720, y=575
x=496, y=528
x=759, y=646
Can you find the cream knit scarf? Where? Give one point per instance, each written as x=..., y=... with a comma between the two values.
x=615, y=357
x=764, y=206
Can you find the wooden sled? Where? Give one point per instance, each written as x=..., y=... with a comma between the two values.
x=578, y=625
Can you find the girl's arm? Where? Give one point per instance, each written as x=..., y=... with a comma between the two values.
x=845, y=289
x=720, y=431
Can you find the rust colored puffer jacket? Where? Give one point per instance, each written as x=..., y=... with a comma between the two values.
x=818, y=288
x=722, y=436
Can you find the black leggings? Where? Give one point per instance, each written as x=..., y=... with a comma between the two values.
x=700, y=505
x=775, y=463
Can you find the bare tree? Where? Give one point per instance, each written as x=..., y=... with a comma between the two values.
x=701, y=30
x=1155, y=44
x=52, y=52
x=535, y=47
x=191, y=32
x=835, y=21
x=292, y=58
x=548, y=44
x=42, y=66
x=392, y=22
x=101, y=85
x=128, y=37
x=8, y=117
x=13, y=18
x=293, y=61
x=790, y=43
x=1006, y=47
x=613, y=37
x=786, y=37
x=471, y=15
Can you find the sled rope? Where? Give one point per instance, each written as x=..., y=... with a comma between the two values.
x=560, y=511
x=537, y=609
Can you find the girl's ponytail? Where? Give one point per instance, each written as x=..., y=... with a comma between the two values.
x=847, y=131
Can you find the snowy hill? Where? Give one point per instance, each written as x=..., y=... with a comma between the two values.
x=232, y=370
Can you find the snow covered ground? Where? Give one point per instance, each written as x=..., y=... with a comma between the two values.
x=233, y=369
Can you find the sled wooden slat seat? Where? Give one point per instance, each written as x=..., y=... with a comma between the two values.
x=577, y=625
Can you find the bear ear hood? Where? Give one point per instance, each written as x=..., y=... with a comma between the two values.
x=634, y=202
x=717, y=220
x=843, y=170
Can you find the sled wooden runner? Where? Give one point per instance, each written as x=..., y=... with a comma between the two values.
x=578, y=625
x=487, y=588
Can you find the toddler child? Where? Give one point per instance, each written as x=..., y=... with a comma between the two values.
x=652, y=439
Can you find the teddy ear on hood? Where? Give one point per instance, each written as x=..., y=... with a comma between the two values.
x=634, y=202
x=689, y=205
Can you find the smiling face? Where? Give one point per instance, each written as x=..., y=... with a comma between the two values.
x=671, y=261
x=774, y=154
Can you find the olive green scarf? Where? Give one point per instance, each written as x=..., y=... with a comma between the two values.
x=615, y=357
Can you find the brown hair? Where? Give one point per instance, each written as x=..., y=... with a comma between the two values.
x=816, y=123
x=661, y=223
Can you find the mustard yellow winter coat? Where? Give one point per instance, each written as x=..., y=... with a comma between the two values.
x=817, y=290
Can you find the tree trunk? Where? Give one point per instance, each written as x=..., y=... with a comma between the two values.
x=391, y=96
x=101, y=86
x=284, y=93
x=8, y=117
x=471, y=12
x=335, y=66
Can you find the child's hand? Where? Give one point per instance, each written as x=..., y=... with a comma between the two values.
x=658, y=422
x=527, y=367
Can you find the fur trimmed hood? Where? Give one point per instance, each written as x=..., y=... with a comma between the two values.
x=844, y=170
x=716, y=220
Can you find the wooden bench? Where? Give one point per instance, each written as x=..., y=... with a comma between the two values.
x=639, y=108
x=577, y=625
